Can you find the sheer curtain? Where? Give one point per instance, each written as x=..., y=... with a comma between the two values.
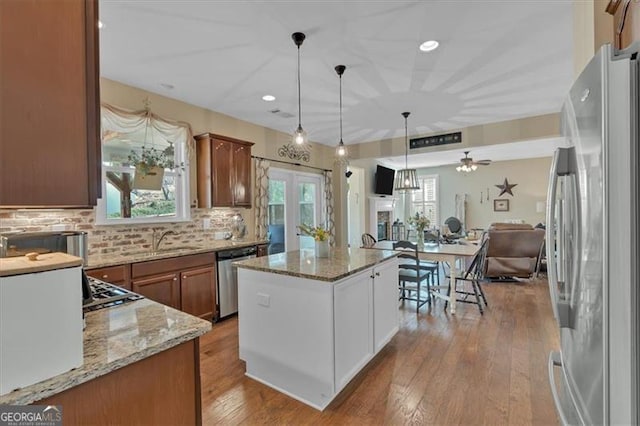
x=328, y=199
x=114, y=119
x=461, y=209
x=261, y=202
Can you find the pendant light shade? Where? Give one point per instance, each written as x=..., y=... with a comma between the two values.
x=299, y=135
x=341, y=150
x=406, y=179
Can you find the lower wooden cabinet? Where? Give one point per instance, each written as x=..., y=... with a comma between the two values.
x=119, y=275
x=186, y=283
x=163, y=289
x=262, y=250
x=197, y=295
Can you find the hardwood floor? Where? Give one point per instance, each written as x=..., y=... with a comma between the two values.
x=439, y=369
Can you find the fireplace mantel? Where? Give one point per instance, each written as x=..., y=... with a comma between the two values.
x=380, y=204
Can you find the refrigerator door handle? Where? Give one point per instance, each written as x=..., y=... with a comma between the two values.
x=556, y=361
x=552, y=268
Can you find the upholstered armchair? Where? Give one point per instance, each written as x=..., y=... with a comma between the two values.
x=512, y=250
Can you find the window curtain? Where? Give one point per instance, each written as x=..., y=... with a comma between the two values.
x=328, y=199
x=261, y=202
x=461, y=209
x=118, y=120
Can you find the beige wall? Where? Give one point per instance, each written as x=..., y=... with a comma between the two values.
x=592, y=27
x=522, y=129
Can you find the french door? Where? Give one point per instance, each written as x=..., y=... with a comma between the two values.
x=294, y=198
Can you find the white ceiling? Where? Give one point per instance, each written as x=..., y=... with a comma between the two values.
x=497, y=60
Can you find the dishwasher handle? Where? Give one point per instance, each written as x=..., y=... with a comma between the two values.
x=236, y=253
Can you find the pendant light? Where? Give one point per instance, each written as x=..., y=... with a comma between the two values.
x=299, y=136
x=341, y=149
x=406, y=180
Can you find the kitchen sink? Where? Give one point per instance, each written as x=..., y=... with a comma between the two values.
x=177, y=248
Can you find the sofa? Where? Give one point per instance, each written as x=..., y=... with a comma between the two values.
x=512, y=250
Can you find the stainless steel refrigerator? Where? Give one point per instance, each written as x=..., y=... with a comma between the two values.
x=592, y=245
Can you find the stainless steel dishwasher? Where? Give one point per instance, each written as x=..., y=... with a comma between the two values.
x=227, y=288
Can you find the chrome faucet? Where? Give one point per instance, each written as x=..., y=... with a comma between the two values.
x=155, y=240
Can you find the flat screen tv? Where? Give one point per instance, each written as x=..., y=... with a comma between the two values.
x=384, y=180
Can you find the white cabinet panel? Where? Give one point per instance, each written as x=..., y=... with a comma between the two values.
x=385, y=303
x=353, y=327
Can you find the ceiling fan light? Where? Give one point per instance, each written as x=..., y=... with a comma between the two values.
x=459, y=168
x=474, y=167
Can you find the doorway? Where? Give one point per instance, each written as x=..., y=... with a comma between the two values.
x=294, y=198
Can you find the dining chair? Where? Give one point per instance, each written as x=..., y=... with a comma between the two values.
x=410, y=274
x=368, y=240
x=474, y=275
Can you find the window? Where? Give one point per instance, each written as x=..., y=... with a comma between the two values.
x=426, y=200
x=145, y=174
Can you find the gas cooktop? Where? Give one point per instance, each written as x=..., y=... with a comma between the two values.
x=106, y=295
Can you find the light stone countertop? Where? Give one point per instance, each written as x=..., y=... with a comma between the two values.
x=341, y=263
x=167, y=251
x=114, y=338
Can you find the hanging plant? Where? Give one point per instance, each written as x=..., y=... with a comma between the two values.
x=150, y=158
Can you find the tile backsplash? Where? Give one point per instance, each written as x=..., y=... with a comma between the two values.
x=103, y=239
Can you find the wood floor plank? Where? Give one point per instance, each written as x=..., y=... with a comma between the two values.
x=439, y=369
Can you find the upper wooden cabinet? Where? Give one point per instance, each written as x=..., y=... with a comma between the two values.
x=224, y=171
x=49, y=103
x=626, y=23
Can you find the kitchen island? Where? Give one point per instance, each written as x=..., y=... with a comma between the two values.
x=141, y=366
x=308, y=325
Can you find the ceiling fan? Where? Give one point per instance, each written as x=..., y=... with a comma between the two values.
x=468, y=165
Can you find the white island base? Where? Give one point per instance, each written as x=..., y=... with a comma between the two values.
x=308, y=338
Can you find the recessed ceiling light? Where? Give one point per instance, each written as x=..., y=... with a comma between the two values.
x=428, y=46
x=100, y=24
x=269, y=98
x=167, y=85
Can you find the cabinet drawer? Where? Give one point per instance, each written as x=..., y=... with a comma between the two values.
x=118, y=275
x=172, y=264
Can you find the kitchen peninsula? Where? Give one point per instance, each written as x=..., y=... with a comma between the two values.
x=141, y=366
x=308, y=325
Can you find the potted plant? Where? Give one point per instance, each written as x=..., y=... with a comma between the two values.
x=150, y=164
x=420, y=222
x=321, y=237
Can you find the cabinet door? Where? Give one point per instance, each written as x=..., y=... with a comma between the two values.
x=353, y=328
x=222, y=178
x=242, y=172
x=385, y=303
x=49, y=107
x=163, y=289
x=262, y=250
x=197, y=294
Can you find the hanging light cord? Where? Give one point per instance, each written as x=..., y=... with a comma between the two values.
x=406, y=146
x=299, y=108
x=340, y=107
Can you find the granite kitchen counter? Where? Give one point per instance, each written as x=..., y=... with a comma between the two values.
x=114, y=338
x=341, y=263
x=167, y=250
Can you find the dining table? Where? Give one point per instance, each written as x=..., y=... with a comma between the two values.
x=450, y=253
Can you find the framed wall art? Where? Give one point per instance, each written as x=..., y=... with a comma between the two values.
x=500, y=205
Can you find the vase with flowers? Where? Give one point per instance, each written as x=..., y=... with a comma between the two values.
x=420, y=222
x=320, y=236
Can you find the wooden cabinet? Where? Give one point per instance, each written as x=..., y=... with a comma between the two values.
x=224, y=171
x=262, y=250
x=163, y=288
x=119, y=275
x=626, y=23
x=186, y=283
x=197, y=295
x=49, y=103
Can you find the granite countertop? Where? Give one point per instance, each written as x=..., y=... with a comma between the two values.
x=167, y=251
x=114, y=338
x=341, y=263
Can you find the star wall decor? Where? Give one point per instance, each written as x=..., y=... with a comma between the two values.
x=506, y=187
